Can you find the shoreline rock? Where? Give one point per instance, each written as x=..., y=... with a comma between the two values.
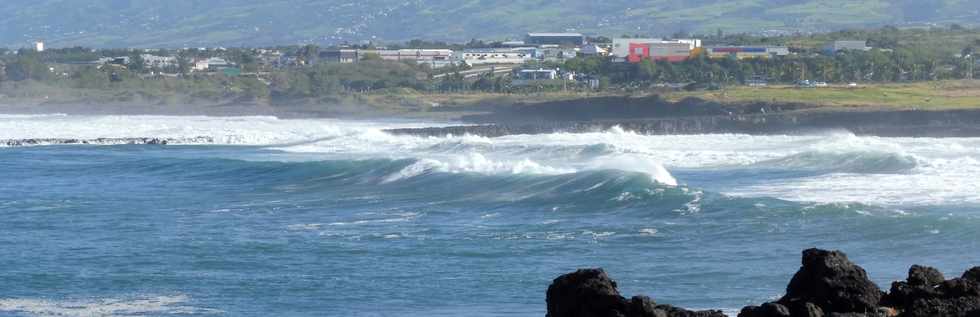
x=590, y=292
x=827, y=284
x=883, y=123
x=105, y=141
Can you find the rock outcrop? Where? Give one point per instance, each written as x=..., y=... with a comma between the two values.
x=827, y=284
x=591, y=293
x=926, y=293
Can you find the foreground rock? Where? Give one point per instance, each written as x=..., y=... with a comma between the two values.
x=926, y=293
x=827, y=284
x=591, y=293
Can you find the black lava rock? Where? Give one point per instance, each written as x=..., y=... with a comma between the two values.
x=591, y=293
x=585, y=293
x=830, y=281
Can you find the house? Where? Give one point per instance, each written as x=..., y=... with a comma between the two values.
x=490, y=56
x=837, y=46
x=562, y=39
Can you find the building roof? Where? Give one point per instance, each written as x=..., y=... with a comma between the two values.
x=554, y=34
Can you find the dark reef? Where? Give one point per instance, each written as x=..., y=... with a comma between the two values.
x=827, y=284
x=652, y=115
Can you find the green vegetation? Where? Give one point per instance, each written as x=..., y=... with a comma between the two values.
x=181, y=23
x=925, y=95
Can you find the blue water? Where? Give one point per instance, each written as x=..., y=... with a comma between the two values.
x=253, y=231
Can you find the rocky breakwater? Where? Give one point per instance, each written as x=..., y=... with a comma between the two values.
x=827, y=284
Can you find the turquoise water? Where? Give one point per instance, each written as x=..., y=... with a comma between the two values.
x=401, y=226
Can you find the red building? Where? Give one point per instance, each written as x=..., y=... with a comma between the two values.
x=669, y=52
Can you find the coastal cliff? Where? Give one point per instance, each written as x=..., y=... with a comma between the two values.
x=827, y=284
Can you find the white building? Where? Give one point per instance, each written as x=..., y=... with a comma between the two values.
x=491, y=56
x=435, y=58
x=555, y=53
x=161, y=62
x=39, y=46
x=837, y=46
x=209, y=64
x=537, y=74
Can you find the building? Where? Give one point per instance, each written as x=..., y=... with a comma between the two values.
x=159, y=62
x=636, y=50
x=620, y=47
x=837, y=46
x=211, y=64
x=555, y=53
x=562, y=39
x=435, y=58
x=121, y=60
x=746, y=52
x=490, y=56
x=343, y=56
x=536, y=74
x=39, y=46
x=269, y=57
x=593, y=50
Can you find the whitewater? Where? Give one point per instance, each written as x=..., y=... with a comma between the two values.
x=262, y=216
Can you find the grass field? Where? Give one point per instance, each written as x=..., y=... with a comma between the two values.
x=931, y=95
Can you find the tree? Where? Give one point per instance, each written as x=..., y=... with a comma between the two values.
x=136, y=63
x=310, y=54
x=26, y=67
x=647, y=70
x=183, y=64
x=368, y=57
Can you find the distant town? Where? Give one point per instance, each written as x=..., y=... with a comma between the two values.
x=537, y=62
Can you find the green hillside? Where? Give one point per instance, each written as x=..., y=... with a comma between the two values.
x=177, y=23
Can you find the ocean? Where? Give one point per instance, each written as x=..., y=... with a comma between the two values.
x=258, y=216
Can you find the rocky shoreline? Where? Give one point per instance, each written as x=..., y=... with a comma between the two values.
x=827, y=284
x=884, y=123
x=653, y=115
x=105, y=141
